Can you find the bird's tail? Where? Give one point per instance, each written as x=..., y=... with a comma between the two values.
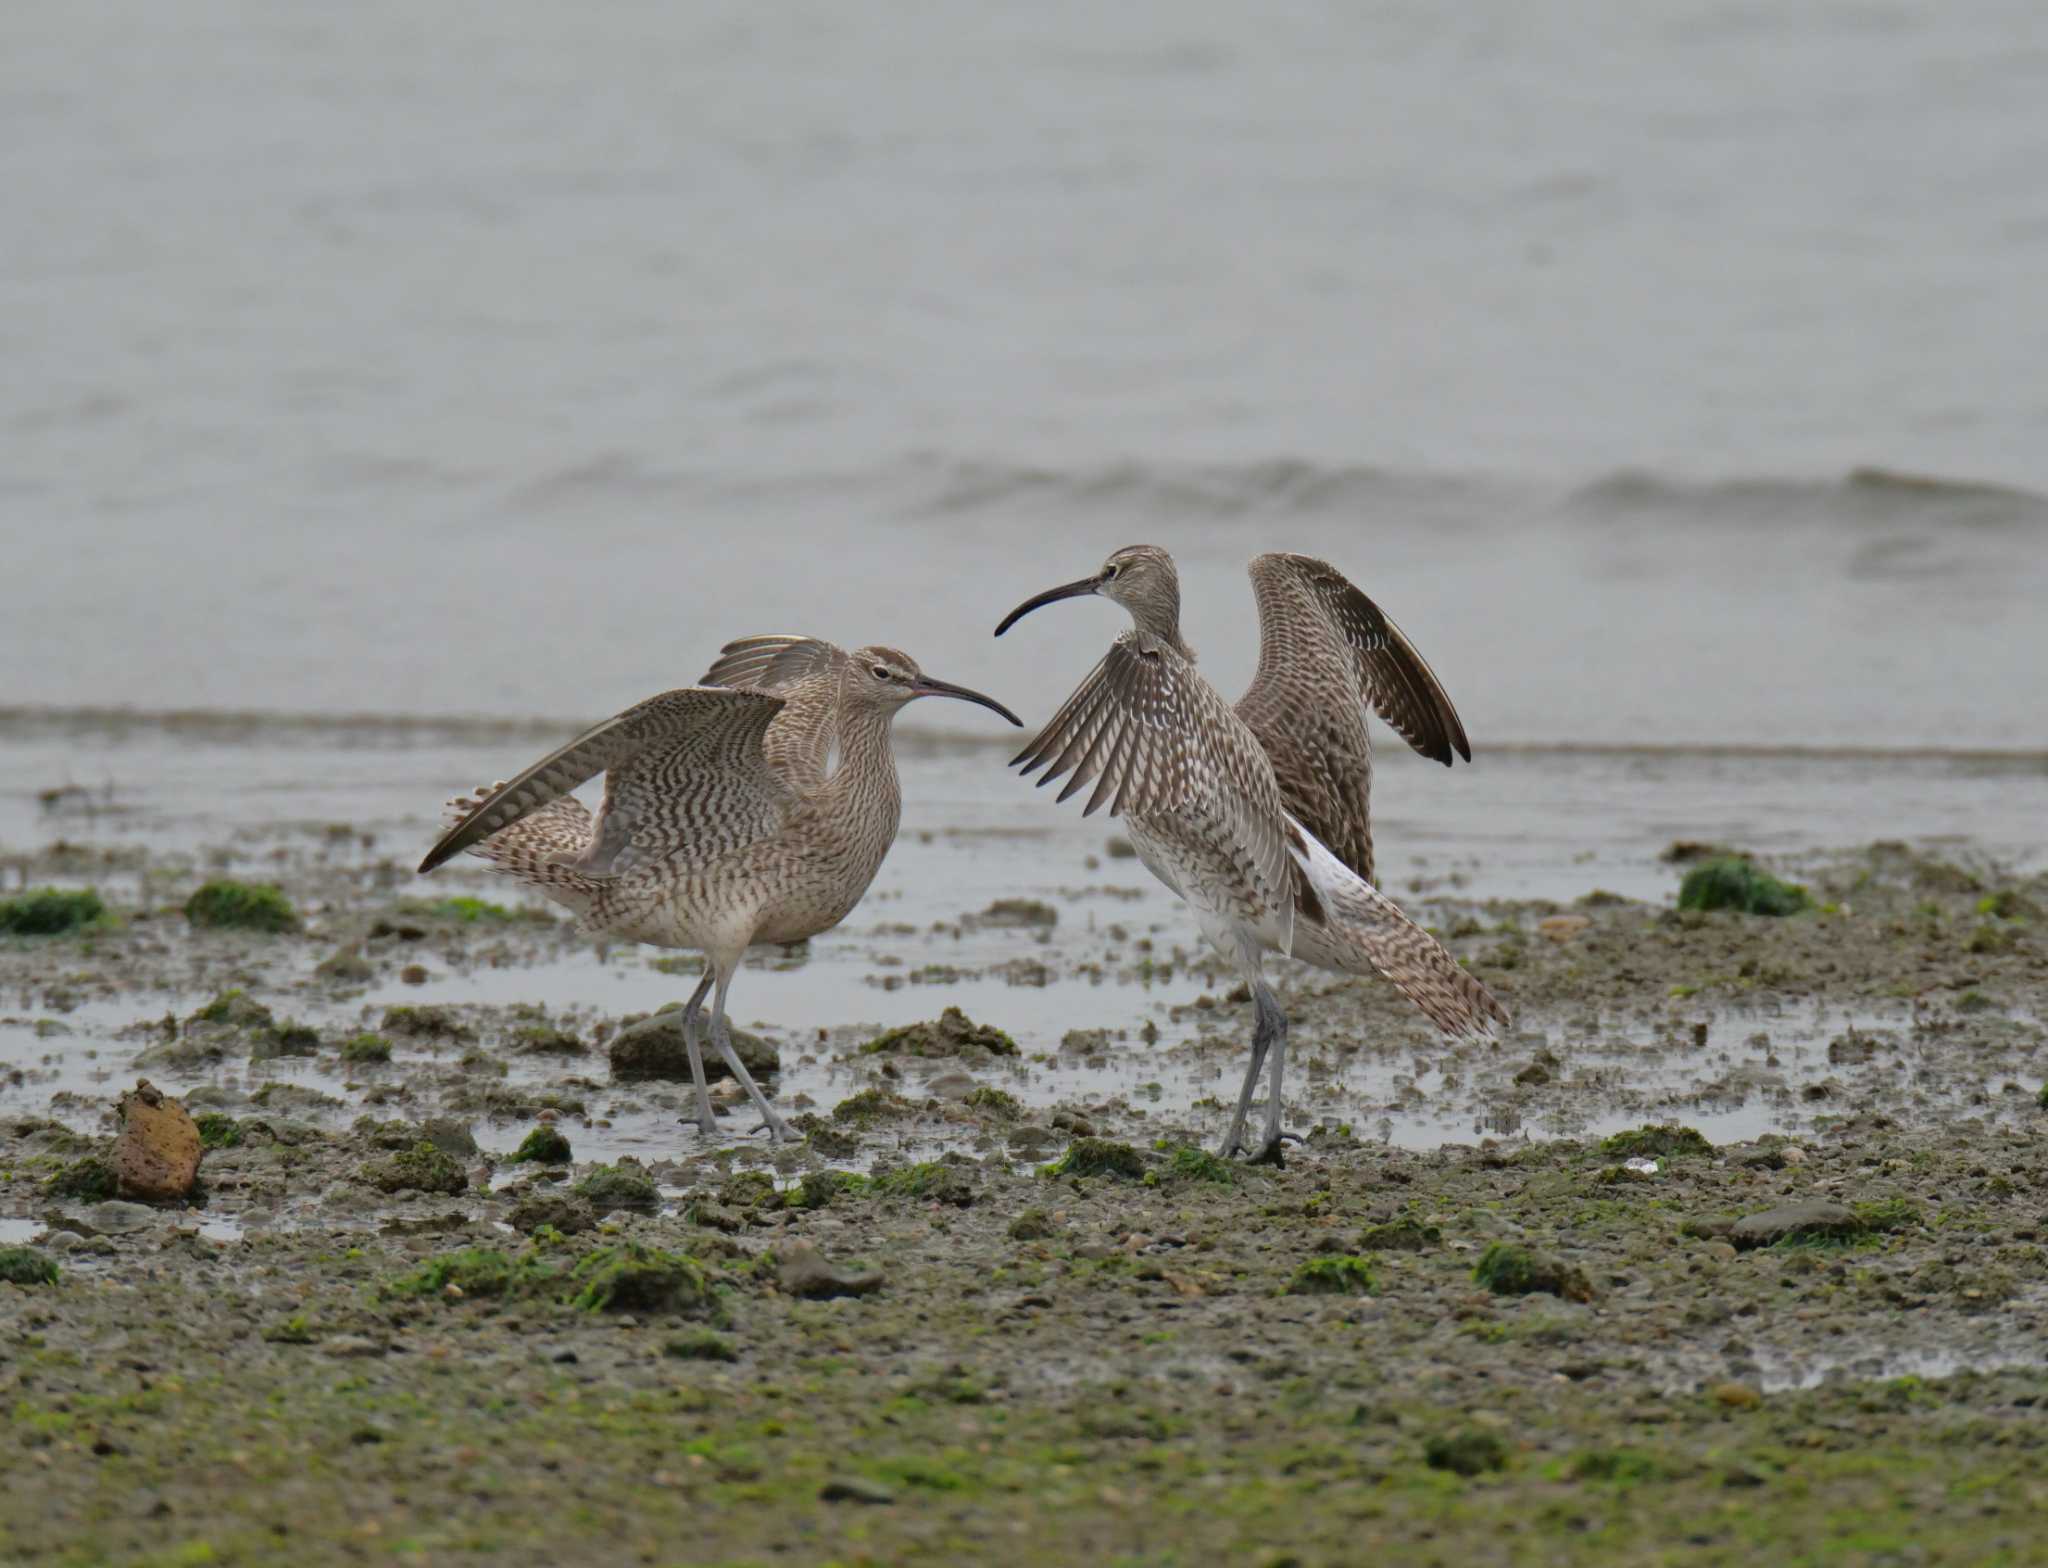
x=533, y=849
x=1363, y=930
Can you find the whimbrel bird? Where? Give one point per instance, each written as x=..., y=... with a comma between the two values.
x=752, y=808
x=1257, y=815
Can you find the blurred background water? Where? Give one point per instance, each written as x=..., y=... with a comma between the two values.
x=1672, y=373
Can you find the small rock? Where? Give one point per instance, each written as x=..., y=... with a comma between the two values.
x=1562, y=928
x=652, y=1046
x=1816, y=1221
x=1737, y=1396
x=115, y=1218
x=157, y=1154
x=63, y=1240
x=350, y=1345
x=805, y=1272
x=854, y=1489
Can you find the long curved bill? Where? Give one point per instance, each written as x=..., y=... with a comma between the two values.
x=1050, y=596
x=928, y=687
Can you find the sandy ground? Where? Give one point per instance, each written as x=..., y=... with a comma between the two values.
x=998, y=1306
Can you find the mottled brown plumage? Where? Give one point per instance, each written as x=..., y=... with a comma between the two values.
x=1326, y=654
x=1257, y=816
x=754, y=808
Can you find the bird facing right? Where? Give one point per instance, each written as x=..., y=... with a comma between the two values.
x=1257, y=815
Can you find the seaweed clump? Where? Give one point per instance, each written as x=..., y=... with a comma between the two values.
x=1467, y=1453
x=50, y=911
x=26, y=1266
x=636, y=1278
x=226, y=905
x=953, y=1033
x=618, y=1187
x=1671, y=1140
x=90, y=1180
x=1332, y=1276
x=1510, y=1270
x=1734, y=882
x=545, y=1145
x=422, y=1168
x=1098, y=1157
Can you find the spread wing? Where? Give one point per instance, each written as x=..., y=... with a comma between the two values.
x=1304, y=604
x=1155, y=739
x=805, y=672
x=773, y=662
x=683, y=771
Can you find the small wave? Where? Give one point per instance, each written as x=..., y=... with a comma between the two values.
x=1272, y=486
x=1863, y=494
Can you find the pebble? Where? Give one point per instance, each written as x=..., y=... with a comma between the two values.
x=63, y=1240
x=350, y=1345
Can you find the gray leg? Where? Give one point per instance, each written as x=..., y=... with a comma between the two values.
x=721, y=1036
x=693, y=1020
x=1271, y=1026
x=1269, y=1151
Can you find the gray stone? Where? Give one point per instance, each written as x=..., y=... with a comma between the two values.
x=653, y=1047
x=1814, y=1221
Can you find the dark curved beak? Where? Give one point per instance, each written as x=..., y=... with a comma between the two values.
x=927, y=687
x=1070, y=591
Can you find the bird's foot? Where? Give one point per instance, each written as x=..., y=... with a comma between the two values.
x=776, y=1128
x=1270, y=1154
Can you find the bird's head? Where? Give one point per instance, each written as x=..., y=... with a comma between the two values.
x=1140, y=577
x=887, y=678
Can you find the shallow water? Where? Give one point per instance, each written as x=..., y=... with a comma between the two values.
x=390, y=363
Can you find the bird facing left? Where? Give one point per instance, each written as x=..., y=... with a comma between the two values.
x=753, y=808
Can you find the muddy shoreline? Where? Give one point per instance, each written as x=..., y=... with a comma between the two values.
x=920, y=1337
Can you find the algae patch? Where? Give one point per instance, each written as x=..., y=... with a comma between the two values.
x=1734, y=882
x=227, y=905
x=1332, y=1276
x=26, y=1266
x=1099, y=1157
x=1507, y=1269
x=50, y=911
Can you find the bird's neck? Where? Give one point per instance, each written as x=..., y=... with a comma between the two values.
x=1163, y=626
x=867, y=762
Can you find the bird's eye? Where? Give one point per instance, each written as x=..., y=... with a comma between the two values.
x=1110, y=570
x=881, y=672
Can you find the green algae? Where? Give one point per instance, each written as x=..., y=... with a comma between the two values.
x=610, y=1187
x=952, y=1033
x=1187, y=1162
x=482, y=1272
x=26, y=1266
x=1099, y=1157
x=1332, y=1276
x=1883, y=1215
x=1509, y=1269
x=932, y=1180
x=1669, y=1141
x=217, y=1131
x=545, y=1145
x=89, y=1180
x=422, y=1168
x=871, y=1107
x=819, y=1188
x=632, y=1277
x=366, y=1050
x=50, y=911
x=704, y=1345
x=1399, y=1236
x=1734, y=882
x=423, y=1023
x=748, y=1190
x=1468, y=1452
x=999, y=1103
x=228, y=905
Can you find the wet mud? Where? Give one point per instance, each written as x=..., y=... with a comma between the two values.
x=1737, y=1241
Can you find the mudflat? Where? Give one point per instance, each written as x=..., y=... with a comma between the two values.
x=1736, y=1244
